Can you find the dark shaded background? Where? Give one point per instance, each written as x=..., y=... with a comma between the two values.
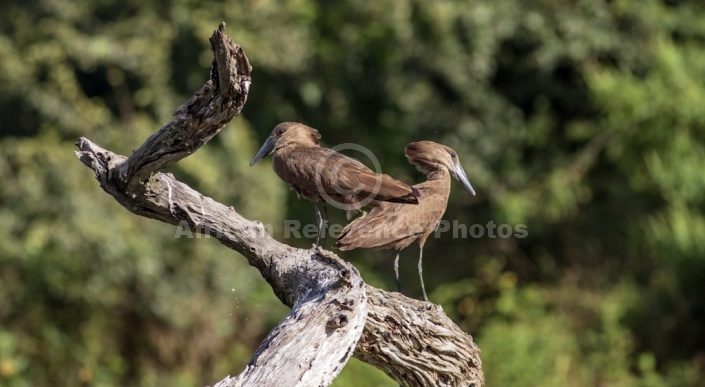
x=583, y=120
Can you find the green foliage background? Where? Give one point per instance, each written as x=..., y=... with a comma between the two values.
x=583, y=120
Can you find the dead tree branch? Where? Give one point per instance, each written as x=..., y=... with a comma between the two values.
x=334, y=313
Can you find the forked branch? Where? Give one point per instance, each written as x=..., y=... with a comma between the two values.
x=334, y=313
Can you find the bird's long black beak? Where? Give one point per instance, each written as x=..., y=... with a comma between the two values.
x=462, y=177
x=265, y=150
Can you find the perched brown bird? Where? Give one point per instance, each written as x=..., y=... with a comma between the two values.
x=323, y=175
x=395, y=226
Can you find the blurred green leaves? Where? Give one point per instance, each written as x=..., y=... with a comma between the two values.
x=582, y=120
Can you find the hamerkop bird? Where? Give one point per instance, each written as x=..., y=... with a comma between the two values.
x=395, y=226
x=323, y=175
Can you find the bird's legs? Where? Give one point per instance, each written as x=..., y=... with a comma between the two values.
x=423, y=288
x=325, y=224
x=396, y=270
x=321, y=223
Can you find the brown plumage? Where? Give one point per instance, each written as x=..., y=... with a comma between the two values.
x=323, y=175
x=394, y=226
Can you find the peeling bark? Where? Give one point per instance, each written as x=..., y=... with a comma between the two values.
x=334, y=313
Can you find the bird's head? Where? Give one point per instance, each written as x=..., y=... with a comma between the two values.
x=284, y=134
x=429, y=156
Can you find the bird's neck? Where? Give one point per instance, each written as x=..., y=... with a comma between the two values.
x=438, y=174
x=436, y=187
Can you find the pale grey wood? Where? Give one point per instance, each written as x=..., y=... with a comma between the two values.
x=416, y=344
x=332, y=308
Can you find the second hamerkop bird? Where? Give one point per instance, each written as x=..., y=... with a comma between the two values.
x=323, y=175
x=394, y=226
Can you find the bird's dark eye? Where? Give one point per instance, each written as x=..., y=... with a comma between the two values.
x=279, y=132
x=453, y=155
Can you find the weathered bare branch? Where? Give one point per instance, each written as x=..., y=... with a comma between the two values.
x=332, y=308
x=202, y=117
x=416, y=344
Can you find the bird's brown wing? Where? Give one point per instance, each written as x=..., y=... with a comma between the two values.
x=390, y=225
x=338, y=174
